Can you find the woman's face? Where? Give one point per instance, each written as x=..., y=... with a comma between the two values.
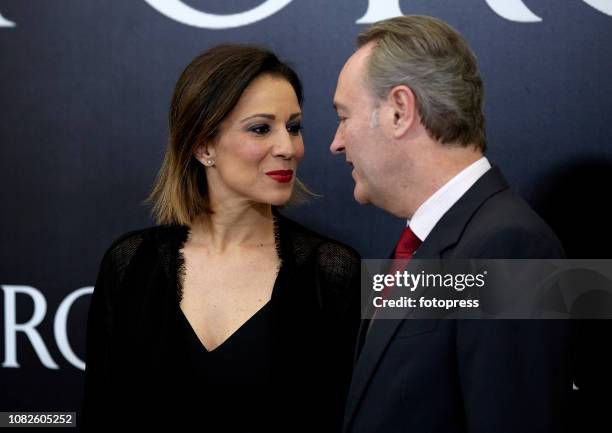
x=258, y=147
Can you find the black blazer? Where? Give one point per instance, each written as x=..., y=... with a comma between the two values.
x=488, y=376
x=132, y=372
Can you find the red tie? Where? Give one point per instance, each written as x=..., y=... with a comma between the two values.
x=405, y=248
x=407, y=245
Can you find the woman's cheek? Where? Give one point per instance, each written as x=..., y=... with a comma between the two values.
x=299, y=151
x=253, y=151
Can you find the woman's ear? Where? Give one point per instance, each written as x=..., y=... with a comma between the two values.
x=205, y=153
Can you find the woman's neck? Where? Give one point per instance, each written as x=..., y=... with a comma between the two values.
x=234, y=226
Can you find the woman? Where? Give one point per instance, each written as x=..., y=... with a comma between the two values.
x=225, y=315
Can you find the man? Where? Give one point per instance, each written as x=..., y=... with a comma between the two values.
x=411, y=126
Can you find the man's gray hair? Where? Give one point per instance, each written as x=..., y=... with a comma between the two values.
x=434, y=61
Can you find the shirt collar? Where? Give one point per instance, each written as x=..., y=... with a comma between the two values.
x=433, y=209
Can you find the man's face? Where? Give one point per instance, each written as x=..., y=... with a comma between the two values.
x=359, y=135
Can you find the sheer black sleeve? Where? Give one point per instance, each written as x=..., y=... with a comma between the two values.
x=98, y=396
x=339, y=267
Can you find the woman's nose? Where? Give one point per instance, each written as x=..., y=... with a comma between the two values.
x=285, y=146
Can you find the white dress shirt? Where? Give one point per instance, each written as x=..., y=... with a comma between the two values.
x=433, y=209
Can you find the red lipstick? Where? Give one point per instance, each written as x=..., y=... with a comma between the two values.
x=281, y=176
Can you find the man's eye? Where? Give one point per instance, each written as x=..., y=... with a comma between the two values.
x=341, y=119
x=260, y=129
x=295, y=129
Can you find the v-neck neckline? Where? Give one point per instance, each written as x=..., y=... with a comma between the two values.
x=179, y=273
x=251, y=321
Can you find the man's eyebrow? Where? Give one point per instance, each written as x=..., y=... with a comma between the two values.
x=338, y=106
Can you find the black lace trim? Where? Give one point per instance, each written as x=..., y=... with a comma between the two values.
x=178, y=270
x=277, y=239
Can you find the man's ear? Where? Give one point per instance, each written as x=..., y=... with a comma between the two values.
x=402, y=103
x=205, y=153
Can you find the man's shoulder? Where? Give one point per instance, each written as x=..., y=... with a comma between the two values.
x=505, y=226
x=507, y=209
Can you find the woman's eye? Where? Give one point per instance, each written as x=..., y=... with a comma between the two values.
x=295, y=128
x=341, y=119
x=260, y=129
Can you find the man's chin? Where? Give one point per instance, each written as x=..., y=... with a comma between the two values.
x=360, y=196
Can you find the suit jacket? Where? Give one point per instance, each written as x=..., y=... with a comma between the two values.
x=135, y=373
x=489, y=376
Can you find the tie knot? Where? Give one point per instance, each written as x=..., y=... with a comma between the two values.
x=407, y=244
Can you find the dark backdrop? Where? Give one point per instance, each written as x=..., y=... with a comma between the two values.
x=84, y=91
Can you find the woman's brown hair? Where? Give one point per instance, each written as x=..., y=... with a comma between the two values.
x=206, y=92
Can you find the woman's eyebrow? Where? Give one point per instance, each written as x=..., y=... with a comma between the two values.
x=269, y=116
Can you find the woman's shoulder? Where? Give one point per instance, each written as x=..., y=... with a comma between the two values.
x=338, y=266
x=123, y=248
x=307, y=242
x=127, y=243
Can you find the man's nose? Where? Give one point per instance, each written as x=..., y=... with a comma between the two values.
x=337, y=145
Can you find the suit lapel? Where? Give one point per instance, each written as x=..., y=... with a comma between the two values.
x=444, y=235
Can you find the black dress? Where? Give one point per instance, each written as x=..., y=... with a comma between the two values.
x=236, y=373
x=287, y=368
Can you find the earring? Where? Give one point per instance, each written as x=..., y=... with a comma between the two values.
x=209, y=163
